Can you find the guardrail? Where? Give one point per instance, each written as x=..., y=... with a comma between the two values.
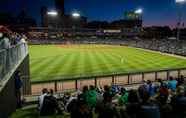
x=60, y=85
x=9, y=58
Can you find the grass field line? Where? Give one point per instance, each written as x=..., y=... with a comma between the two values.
x=44, y=57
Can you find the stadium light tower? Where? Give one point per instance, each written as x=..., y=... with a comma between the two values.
x=139, y=12
x=75, y=16
x=179, y=2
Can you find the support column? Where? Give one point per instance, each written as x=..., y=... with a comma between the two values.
x=95, y=80
x=76, y=84
x=168, y=75
x=113, y=82
x=143, y=76
x=156, y=76
x=128, y=78
x=55, y=86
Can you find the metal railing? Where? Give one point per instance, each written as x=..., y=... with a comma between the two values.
x=61, y=85
x=9, y=58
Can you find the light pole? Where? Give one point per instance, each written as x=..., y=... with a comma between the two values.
x=139, y=12
x=179, y=2
x=53, y=14
x=75, y=16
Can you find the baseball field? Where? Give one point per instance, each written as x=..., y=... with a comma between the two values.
x=53, y=62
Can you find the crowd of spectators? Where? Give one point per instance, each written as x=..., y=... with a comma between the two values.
x=172, y=46
x=9, y=39
x=160, y=99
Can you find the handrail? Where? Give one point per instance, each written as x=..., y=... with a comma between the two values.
x=10, y=57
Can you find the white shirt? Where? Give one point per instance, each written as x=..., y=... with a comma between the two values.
x=41, y=99
x=6, y=43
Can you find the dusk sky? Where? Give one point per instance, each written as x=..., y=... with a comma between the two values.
x=156, y=12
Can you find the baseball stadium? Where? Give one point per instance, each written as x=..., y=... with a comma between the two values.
x=92, y=59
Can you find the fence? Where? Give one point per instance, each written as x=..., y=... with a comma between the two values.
x=9, y=58
x=121, y=79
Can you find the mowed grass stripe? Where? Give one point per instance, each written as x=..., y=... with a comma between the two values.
x=42, y=65
x=92, y=63
x=104, y=67
x=45, y=73
x=70, y=68
x=128, y=62
x=56, y=67
x=117, y=64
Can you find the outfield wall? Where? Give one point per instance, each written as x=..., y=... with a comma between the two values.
x=100, y=81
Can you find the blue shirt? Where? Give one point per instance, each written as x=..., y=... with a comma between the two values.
x=172, y=85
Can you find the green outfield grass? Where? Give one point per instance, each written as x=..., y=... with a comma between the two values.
x=51, y=62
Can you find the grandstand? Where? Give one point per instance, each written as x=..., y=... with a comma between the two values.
x=67, y=65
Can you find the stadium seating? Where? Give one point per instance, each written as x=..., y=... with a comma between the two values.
x=160, y=105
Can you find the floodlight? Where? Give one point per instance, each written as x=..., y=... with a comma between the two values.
x=52, y=13
x=180, y=1
x=139, y=11
x=76, y=15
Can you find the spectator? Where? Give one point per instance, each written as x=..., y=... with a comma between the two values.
x=180, y=80
x=133, y=104
x=92, y=97
x=123, y=99
x=50, y=105
x=66, y=98
x=142, y=89
x=106, y=109
x=164, y=90
x=5, y=42
x=18, y=85
x=1, y=40
x=150, y=88
x=85, y=93
x=70, y=103
x=23, y=39
x=172, y=83
x=179, y=102
x=165, y=108
x=158, y=83
x=79, y=108
x=41, y=99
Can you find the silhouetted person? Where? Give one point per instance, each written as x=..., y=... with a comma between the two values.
x=106, y=109
x=18, y=86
